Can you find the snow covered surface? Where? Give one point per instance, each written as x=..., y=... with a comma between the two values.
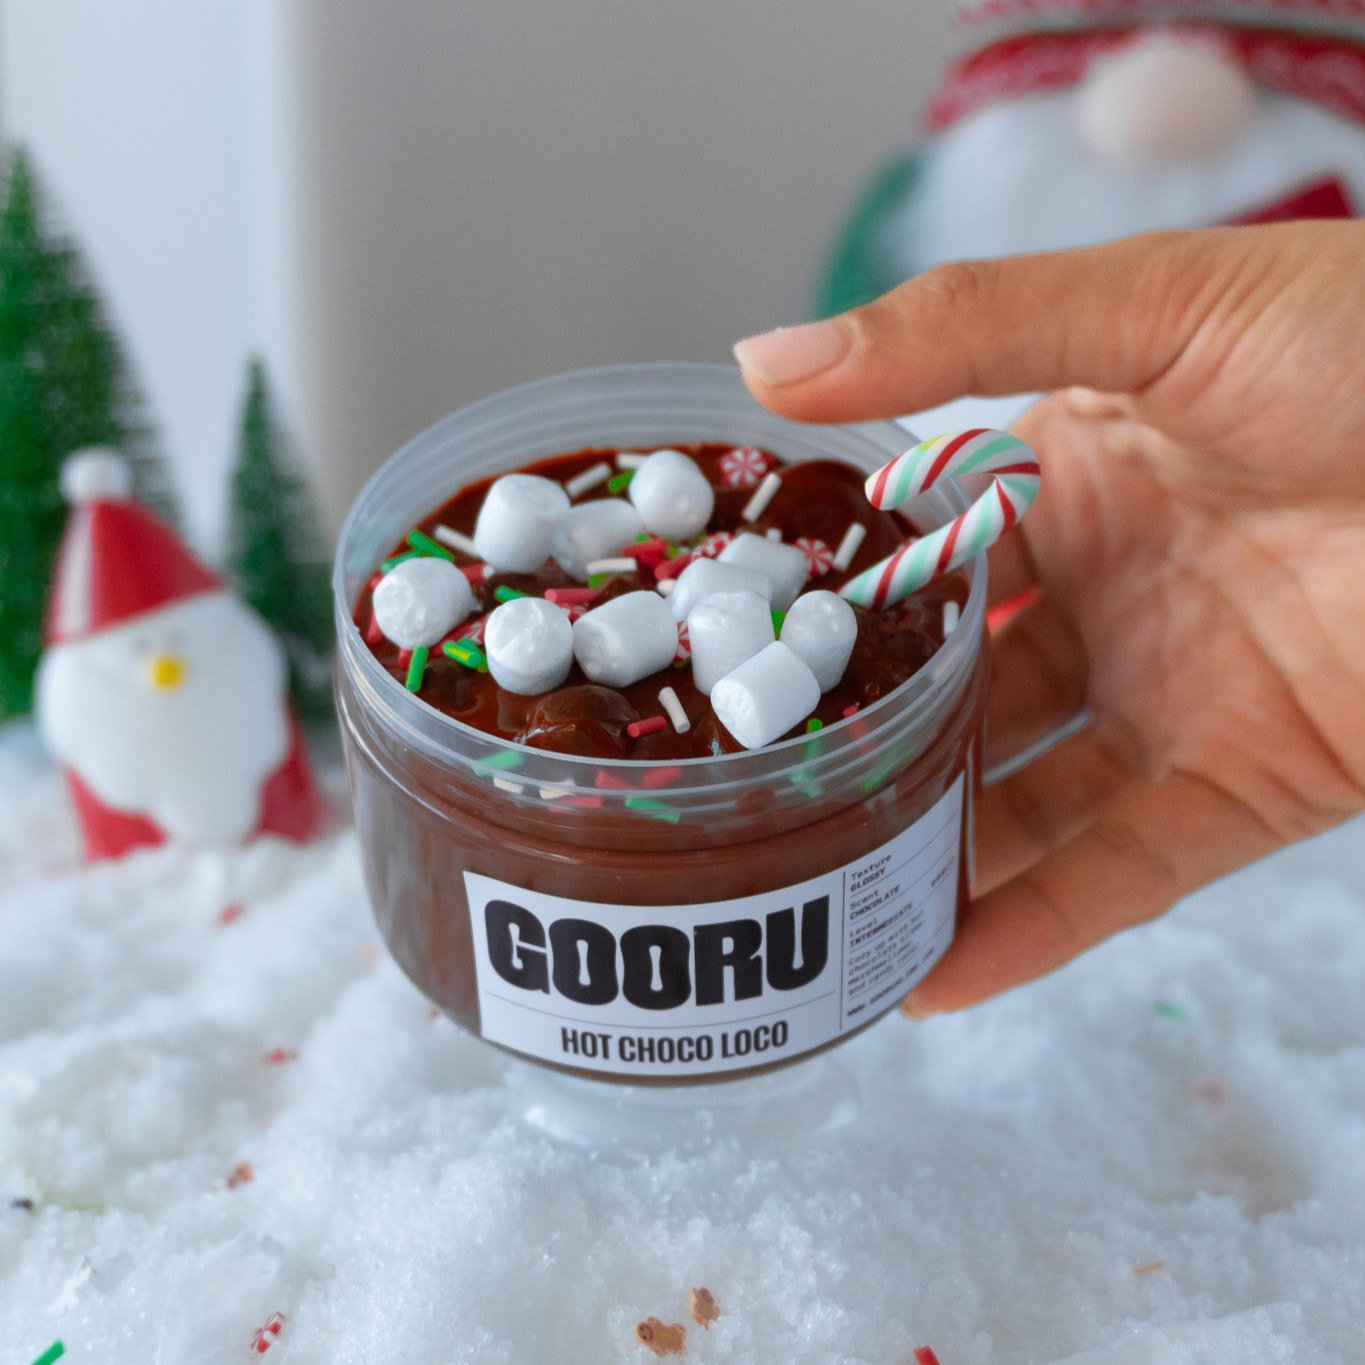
x=996, y=1185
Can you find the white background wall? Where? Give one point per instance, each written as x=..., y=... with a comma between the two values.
x=406, y=206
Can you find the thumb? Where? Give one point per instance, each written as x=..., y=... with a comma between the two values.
x=1111, y=317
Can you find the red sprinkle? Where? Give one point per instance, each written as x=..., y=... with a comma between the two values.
x=279, y=1056
x=651, y=725
x=373, y=635
x=476, y=573
x=647, y=549
x=924, y=1356
x=571, y=597
x=232, y=912
x=660, y=777
x=587, y=802
x=851, y=710
x=404, y=657
x=671, y=568
x=266, y=1337
x=608, y=781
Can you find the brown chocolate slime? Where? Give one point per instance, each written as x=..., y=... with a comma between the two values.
x=817, y=499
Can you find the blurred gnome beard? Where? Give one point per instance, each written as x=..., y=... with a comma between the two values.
x=177, y=715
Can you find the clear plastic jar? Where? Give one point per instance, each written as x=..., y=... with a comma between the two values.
x=616, y=921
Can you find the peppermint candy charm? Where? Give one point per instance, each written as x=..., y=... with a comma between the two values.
x=684, y=644
x=711, y=547
x=818, y=555
x=743, y=467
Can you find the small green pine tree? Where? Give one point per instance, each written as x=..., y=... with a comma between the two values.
x=62, y=386
x=276, y=557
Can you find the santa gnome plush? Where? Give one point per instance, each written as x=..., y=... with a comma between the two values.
x=1068, y=122
x=162, y=696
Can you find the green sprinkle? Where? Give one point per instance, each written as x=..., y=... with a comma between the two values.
x=620, y=481
x=598, y=579
x=813, y=748
x=506, y=594
x=508, y=758
x=642, y=537
x=657, y=809
x=778, y=618
x=814, y=724
x=807, y=785
x=417, y=667
x=471, y=656
x=1163, y=1010
x=398, y=559
x=54, y=1352
x=423, y=544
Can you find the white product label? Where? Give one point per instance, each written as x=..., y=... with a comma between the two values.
x=686, y=990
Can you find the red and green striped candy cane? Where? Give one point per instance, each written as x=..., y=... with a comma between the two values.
x=917, y=562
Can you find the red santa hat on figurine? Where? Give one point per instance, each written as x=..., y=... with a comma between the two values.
x=162, y=695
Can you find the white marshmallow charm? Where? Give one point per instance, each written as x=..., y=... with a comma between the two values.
x=784, y=566
x=420, y=601
x=518, y=522
x=625, y=639
x=821, y=628
x=594, y=530
x=672, y=495
x=702, y=577
x=723, y=631
x=765, y=696
x=529, y=645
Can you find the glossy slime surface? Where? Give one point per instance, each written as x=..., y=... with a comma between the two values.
x=815, y=503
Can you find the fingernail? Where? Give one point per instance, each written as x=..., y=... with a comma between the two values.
x=912, y=1009
x=791, y=354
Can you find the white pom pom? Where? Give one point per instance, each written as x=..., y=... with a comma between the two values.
x=765, y=696
x=421, y=600
x=672, y=495
x=1163, y=102
x=94, y=473
x=529, y=643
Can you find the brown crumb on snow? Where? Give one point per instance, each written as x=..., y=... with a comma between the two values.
x=702, y=1305
x=663, y=1338
x=1148, y=1268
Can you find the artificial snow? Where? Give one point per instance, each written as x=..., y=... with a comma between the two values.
x=998, y=1185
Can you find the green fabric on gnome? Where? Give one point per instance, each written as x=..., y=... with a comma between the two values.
x=858, y=269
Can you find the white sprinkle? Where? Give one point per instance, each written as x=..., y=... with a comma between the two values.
x=554, y=793
x=848, y=546
x=666, y=585
x=952, y=614
x=622, y=565
x=668, y=699
x=505, y=784
x=773, y=533
x=763, y=495
x=589, y=478
x=628, y=459
x=457, y=540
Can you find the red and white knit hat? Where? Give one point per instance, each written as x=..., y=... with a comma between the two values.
x=1314, y=49
x=116, y=560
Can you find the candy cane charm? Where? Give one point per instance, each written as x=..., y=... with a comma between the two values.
x=920, y=561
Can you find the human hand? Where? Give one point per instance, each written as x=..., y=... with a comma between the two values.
x=1198, y=545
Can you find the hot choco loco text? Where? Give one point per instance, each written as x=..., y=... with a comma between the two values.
x=816, y=501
